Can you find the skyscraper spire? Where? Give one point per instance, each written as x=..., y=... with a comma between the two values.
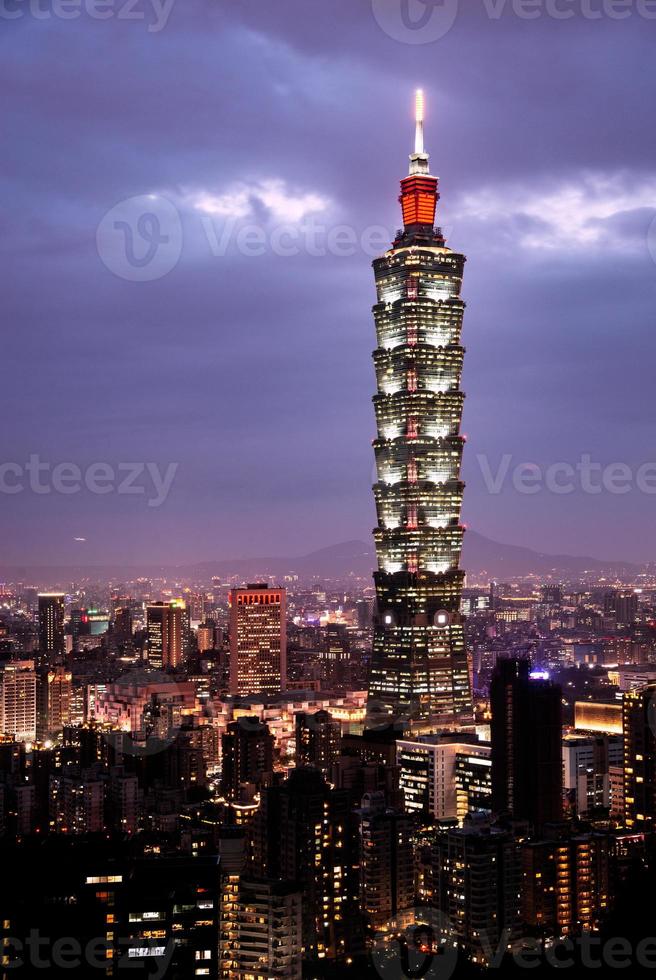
x=419, y=190
x=419, y=121
x=419, y=159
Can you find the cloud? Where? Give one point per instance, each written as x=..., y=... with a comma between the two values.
x=588, y=211
x=245, y=200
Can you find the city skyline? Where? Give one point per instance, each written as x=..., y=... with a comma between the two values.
x=217, y=367
x=427, y=744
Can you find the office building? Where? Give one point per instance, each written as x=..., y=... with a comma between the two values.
x=419, y=676
x=77, y=801
x=51, y=627
x=166, y=627
x=123, y=624
x=140, y=916
x=527, y=773
x=258, y=640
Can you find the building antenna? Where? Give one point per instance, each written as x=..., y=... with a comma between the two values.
x=419, y=120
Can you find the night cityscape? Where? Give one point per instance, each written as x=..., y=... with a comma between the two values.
x=255, y=256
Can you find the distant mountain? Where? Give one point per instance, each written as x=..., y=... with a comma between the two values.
x=481, y=556
x=336, y=561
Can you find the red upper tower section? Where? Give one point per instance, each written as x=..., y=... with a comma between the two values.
x=419, y=197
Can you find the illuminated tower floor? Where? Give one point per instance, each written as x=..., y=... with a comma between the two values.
x=419, y=672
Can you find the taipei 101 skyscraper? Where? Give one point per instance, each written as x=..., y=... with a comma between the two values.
x=419, y=675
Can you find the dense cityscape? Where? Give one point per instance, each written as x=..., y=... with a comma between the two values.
x=300, y=774
x=171, y=767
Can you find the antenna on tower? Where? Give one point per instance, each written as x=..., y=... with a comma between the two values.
x=419, y=120
x=419, y=159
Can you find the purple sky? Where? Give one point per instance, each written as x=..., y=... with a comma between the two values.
x=253, y=372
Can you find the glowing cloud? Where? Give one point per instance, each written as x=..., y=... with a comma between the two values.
x=572, y=214
x=244, y=200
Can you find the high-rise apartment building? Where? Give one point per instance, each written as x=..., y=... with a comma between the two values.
x=305, y=832
x=527, y=770
x=565, y=885
x=258, y=640
x=51, y=626
x=247, y=751
x=54, y=701
x=77, y=802
x=623, y=605
x=261, y=931
x=206, y=637
x=124, y=802
x=639, y=725
x=419, y=675
x=318, y=739
x=18, y=700
x=478, y=875
x=386, y=860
